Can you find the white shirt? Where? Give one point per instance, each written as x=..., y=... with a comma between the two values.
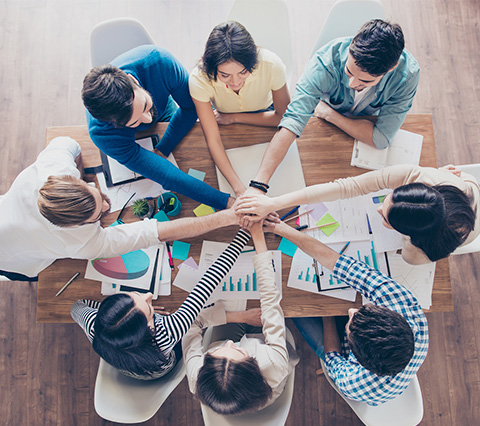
x=29, y=242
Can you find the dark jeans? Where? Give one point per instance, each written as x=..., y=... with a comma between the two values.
x=17, y=277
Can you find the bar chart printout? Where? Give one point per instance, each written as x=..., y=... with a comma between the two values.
x=241, y=281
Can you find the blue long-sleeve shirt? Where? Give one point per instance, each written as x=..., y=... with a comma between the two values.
x=158, y=72
x=325, y=79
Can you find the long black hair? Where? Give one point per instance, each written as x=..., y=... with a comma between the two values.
x=229, y=41
x=437, y=219
x=123, y=337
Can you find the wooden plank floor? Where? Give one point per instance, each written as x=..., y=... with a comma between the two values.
x=47, y=372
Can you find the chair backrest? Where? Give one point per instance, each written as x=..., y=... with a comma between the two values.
x=345, y=19
x=122, y=399
x=111, y=38
x=474, y=246
x=269, y=24
x=405, y=410
x=273, y=415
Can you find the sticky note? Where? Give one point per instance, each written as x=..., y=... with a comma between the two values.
x=189, y=262
x=319, y=209
x=197, y=174
x=287, y=247
x=161, y=216
x=298, y=221
x=203, y=210
x=180, y=250
x=328, y=230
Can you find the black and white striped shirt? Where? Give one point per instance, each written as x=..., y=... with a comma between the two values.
x=170, y=329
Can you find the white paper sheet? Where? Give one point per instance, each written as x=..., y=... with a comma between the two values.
x=246, y=160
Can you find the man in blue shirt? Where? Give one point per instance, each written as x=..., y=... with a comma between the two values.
x=371, y=73
x=385, y=342
x=141, y=87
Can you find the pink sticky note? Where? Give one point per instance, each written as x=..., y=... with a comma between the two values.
x=298, y=221
x=190, y=262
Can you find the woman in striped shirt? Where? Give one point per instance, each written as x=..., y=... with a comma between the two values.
x=127, y=333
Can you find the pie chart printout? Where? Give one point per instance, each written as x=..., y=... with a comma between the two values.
x=126, y=267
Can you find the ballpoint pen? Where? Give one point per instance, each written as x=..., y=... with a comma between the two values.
x=344, y=248
x=70, y=281
x=289, y=213
x=315, y=265
x=119, y=220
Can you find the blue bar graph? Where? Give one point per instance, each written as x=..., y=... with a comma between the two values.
x=247, y=287
x=231, y=285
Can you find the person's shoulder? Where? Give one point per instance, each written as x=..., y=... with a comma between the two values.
x=408, y=66
x=144, y=56
x=267, y=56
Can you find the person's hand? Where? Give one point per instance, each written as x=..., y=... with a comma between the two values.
x=450, y=168
x=161, y=310
x=223, y=119
x=323, y=110
x=232, y=218
x=277, y=227
x=257, y=204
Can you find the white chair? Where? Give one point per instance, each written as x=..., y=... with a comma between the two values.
x=345, y=19
x=111, y=38
x=122, y=399
x=474, y=246
x=269, y=24
x=274, y=415
x=405, y=410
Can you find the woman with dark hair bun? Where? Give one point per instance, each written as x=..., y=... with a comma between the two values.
x=127, y=333
x=245, y=376
x=243, y=82
x=435, y=209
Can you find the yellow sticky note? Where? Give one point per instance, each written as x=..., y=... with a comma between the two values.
x=203, y=210
x=328, y=230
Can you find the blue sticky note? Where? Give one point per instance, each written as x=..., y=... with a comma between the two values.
x=196, y=174
x=180, y=250
x=161, y=216
x=287, y=247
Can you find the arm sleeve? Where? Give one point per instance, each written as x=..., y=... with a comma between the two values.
x=120, y=145
x=392, y=114
x=279, y=72
x=388, y=177
x=313, y=84
x=179, y=322
x=84, y=313
x=273, y=320
x=58, y=158
x=200, y=87
x=113, y=240
x=185, y=116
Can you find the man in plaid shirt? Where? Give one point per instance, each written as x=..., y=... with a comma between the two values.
x=385, y=342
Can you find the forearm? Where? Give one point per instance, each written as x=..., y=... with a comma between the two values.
x=265, y=119
x=360, y=129
x=289, y=200
x=274, y=154
x=331, y=341
x=319, y=251
x=193, y=226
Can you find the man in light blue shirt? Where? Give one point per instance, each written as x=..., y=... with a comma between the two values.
x=369, y=74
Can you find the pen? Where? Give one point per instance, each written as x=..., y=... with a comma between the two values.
x=318, y=275
x=301, y=228
x=344, y=247
x=289, y=213
x=247, y=251
x=170, y=260
x=70, y=281
x=298, y=215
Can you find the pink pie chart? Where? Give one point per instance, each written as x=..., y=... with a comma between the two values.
x=126, y=267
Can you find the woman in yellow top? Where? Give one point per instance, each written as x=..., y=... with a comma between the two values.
x=243, y=82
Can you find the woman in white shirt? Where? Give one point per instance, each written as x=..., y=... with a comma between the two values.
x=244, y=83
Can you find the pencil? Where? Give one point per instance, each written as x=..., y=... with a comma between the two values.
x=70, y=281
x=298, y=215
x=320, y=226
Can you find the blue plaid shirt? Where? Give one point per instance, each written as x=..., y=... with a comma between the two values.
x=350, y=377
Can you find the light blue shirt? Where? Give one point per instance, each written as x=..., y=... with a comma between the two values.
x=325, y=79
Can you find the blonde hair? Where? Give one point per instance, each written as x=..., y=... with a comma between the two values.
x=66, y=201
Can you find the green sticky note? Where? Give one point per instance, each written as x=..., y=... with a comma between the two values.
x=161, y=216
x=328, y=230
x=287, y=247
x=180, y=250
x=197, y=174
x=203, y=210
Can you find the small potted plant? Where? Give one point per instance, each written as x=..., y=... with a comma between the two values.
x=142, y=208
